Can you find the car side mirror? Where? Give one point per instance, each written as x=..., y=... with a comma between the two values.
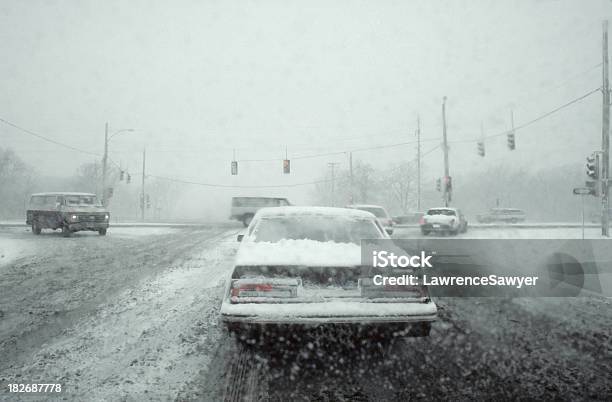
x=239, y=237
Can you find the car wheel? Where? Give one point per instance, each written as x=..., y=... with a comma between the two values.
x=66, y=232
x=246, y=220
x=424, y=232
x=102, y=232
x=36, y=228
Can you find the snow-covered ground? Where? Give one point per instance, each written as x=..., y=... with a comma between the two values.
x=11, y=249
x=114, y=317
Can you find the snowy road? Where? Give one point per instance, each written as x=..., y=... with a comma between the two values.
x=134, y=316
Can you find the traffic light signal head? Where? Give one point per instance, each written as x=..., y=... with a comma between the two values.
x=448, y=183
x=286, y=166
x=592, y=166
x=481, y=148
x=121, y=174
x=439, y=185
x=234, y=168
x=128, y=179
x=511, y=141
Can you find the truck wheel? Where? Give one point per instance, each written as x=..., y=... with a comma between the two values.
x=102, y=232
x=36, y=228
x=246, y=220
x=66, y=232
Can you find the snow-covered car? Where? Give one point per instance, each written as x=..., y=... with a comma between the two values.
x=379, y=212
x=300, y=267
x=68, y=211
x=444, y=220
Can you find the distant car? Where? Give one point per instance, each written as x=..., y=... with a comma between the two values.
x=244, y=208
x=70, y=212
x=509, y=215
x=379, y=212
x=300, y=267
x=408, y=218
x=444, y=220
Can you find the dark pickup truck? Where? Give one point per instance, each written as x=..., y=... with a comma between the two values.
x=70, y=212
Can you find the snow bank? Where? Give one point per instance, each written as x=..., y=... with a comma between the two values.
x=299, y=252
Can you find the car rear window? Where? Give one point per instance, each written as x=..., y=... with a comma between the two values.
x=448, y=212
x=318, y=228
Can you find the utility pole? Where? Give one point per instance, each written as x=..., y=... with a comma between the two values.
x=605, y=135
x=104, y=164
x=142, y=194
x=445, y=148
x=333, y=198
x=418, y=133
x=351, y=176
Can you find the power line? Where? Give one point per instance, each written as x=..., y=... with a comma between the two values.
x=42, y=137
x=235, y=186
x=535, y=120
x=311, y=156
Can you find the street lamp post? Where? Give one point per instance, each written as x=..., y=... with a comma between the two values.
x=105, y=159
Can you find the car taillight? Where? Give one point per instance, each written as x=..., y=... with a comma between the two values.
x=262, y=289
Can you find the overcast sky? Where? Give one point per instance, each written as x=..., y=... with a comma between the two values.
x=197, y=79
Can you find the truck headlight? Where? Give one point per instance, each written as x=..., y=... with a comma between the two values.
x=107, y=216
x=74, y=217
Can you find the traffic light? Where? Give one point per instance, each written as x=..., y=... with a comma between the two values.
x=128, y=179
x=234, y=168
x=121, y=173
x=286, y=166
x=511, y=141
x=439, y=184
x=448, y=183
x=148, y=201
x=481, y=148
x=592, y=166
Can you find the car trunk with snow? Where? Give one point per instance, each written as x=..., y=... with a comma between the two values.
x=314, y=282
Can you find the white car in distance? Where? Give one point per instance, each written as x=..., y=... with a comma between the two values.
x=300, y=267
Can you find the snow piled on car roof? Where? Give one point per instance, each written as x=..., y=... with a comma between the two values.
x=299, y=252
